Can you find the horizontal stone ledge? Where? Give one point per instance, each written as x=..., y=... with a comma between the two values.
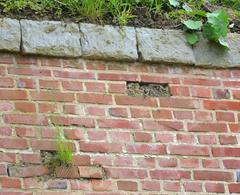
x=91, y=41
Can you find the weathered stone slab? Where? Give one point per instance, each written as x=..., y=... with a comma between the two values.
x=10, y=34
x=108, y=42
x=169, y=46
x=50, y=38
x=214, y=55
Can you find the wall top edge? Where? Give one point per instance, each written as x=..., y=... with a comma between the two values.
x=106, y=42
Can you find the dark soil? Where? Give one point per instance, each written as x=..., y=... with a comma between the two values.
x=143, y=18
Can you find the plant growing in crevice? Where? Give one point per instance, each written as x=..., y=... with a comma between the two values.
x=61, y=158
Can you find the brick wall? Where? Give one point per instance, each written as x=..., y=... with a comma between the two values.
x=184, y=144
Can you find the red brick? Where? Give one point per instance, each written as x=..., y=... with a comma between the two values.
x=26, y=60
x=231, y=164
x=201, y=92
x=95, y=87
x=235, y=128
x=159, y=79
x=221, y=105
x=225, y=116
x=215, y=187
x=73, y=63
x=189, y=150
x=167, y=162
x=13, y=143
x=95, y=111
x=51, y=62
x=7, y=131
x=43, y=145
x=26, y=83
x=95, y=98
x=118, y=123
x=236, y=94
x=179, y=91
x=119, y=136
x=162, y=114
x=127, y=100
x=7, y=157
x=164, y=138
x=25, y=119
x=163, y=125
x=151, y=185
x=203, y=116
x=6, y=59
x=172, y=186
x=80, y=185
x=29, y=71
x=221, y=94
x=117, y=88
x=224, y=152
x=181, y=115
x=32, y=183
x=127, y=185
x=117, y=77
x=72, y=85
x=48, y=84
x=180, y=103
x=26, y=132
x=213, y=175
x=125, y=173
x=207, y=127
x=210, y=163
x=6, y=82
x=193, y=187
x=207, y=139
x=47, y=108
x=95, y=66
x=123, y=161
x=25, y=107
x=170, y=174
x=13, y=95
x=227, y=139
x=146, y=162
x=97, y=135
x=235, y=84
x=140, y=113
x=105, y=185
x=74, y=74
x=234, y=188
x=100, y=147
x=6, y=106
x=81, y=160
x=142, y=137
x=146, y=149
x=28, y=171
x=189, y=163
x=118, y=112
x=31, y=158
x=52, y=96
x=7, y=182
x=91, y=172
x=75, y=134
x=3, y=169
x=184, y=138
x=102, y=160
x=200, y=81
x=67, y=172
x=73, y=121
x=73, y=109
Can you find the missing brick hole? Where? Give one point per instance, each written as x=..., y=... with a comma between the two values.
x=141, y=89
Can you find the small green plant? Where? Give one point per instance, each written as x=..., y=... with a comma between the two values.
x=214, y=29
x=64, y=149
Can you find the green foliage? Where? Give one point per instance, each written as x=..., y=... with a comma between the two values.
x=64, y=150
x=214, y=29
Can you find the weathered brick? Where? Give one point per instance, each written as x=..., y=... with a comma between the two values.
x=27, y=171
x=215, y=187
x=127, y=185
x=169, y=174
x=213, y=175
x=13, y=94
x=189, y=150
x=126, y=100
x=26, y=119
x=91, y=172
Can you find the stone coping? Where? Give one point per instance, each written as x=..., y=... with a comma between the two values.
x=55, y=38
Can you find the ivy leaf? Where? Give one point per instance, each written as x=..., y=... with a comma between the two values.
x=193, y=25
x=223, y=42
x=219, y=21
x=187, y=8
x=210, y=33
x=192, y=38
x=174, y=3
